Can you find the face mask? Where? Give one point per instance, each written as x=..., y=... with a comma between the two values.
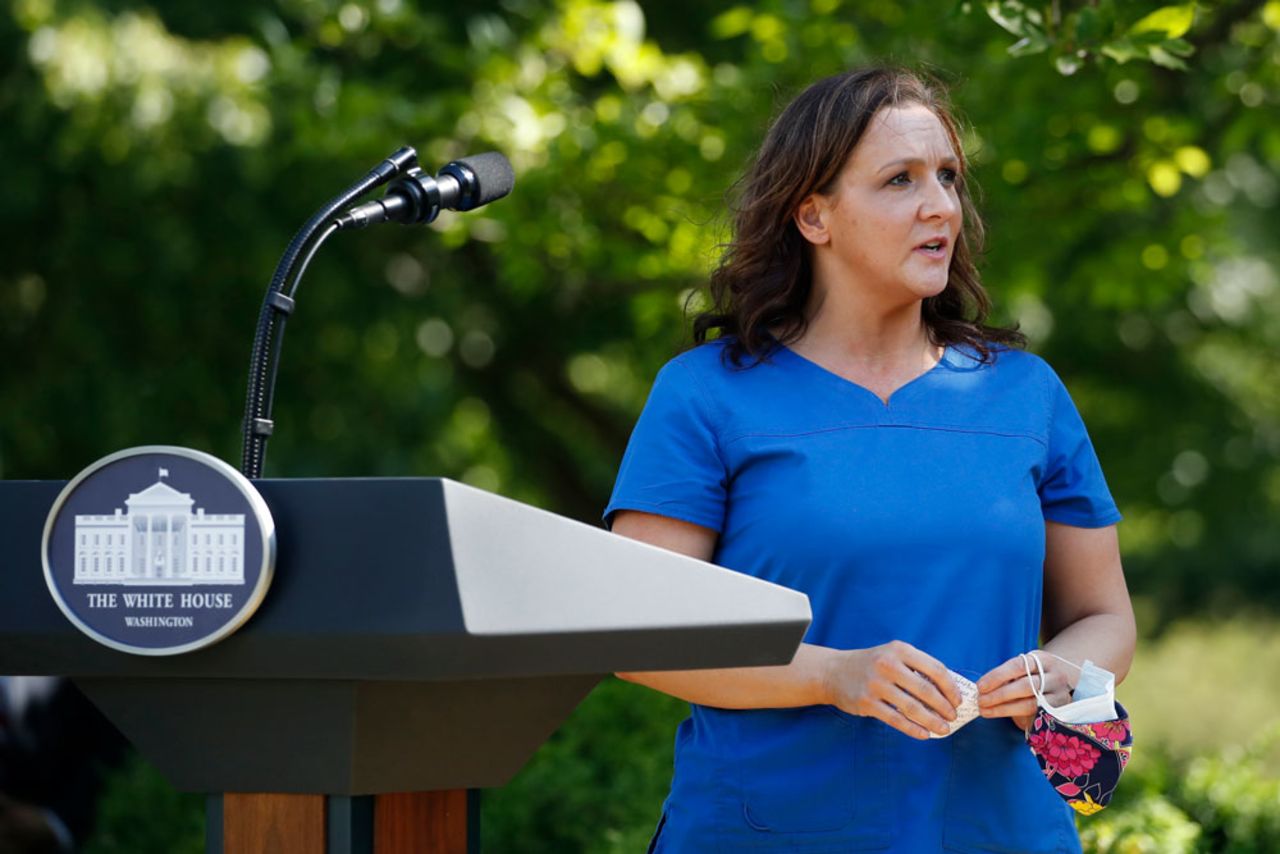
x=1082, y=746
x=1094, y=698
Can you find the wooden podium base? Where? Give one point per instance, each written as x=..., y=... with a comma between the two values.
x=445, y=822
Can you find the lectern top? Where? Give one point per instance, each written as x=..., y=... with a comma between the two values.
x=426, y=579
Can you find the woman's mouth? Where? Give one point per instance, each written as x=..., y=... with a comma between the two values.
x=936, y=249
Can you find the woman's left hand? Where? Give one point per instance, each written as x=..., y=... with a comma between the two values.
x=1005, y=692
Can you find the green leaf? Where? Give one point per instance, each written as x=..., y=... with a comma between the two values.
x=732, y=23
x=1106, y=10
x=1016, y=18
x=1121, y=50
x=1179, y=47
x=1148, y=38
x=1163, y=58
x=1029, y=46
x=1088, y=25
x=1067, y=65
x=1173, y=21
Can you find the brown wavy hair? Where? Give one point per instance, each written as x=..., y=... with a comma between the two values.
x=765, y=276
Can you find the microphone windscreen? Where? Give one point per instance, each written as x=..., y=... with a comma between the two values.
x=494, y=178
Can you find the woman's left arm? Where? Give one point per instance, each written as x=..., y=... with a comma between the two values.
x=1086, y=614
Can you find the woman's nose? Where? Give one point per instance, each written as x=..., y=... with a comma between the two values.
x=939, y=200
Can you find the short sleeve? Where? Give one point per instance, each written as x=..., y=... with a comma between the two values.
x=672, y=465
x=1072, y=488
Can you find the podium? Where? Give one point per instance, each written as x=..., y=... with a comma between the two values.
x=420, y=636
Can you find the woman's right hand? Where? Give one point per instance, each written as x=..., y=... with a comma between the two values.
x=908, y=689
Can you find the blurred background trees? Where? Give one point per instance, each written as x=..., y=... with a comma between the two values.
x=159, y=156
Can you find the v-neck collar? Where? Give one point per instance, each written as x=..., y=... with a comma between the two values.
x=812, y=366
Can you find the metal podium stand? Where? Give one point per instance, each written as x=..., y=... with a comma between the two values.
x=420, y=636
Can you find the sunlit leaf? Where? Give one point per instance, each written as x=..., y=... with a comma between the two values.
x=1193, y=160
x=1164, y=177
x=1029, y=46
x=1067, y=65
x=732, y=23
x=1173, y=21
x=1162, y=57
x=1018, y=18
x=1271, y=14
x=1122, y=50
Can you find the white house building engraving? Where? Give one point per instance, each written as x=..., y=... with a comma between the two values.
x=160, y=538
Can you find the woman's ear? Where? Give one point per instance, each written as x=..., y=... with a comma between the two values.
x=810, y=218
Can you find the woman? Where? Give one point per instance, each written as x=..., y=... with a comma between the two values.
x=858, y=433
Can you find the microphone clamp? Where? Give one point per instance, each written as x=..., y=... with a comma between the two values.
x=417, y=198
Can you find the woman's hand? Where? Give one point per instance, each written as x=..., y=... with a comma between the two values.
x=1005, y=692
x=909, y=690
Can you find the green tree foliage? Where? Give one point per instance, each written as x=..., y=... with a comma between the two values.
x=1094, y=31
x=597, y=785
x=160, y=163
x=159, y=157
x=139, y=813
x=1224, y=800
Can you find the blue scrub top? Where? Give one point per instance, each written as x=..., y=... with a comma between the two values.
x=919, y=520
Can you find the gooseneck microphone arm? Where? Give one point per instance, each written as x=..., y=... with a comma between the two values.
x=413, y=197
x=278, y=305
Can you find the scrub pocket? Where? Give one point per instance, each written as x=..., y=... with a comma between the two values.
x=997, y=799
x=813, y=770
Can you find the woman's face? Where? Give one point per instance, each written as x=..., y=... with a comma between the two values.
x=895, y=196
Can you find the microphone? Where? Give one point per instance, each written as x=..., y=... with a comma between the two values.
x=417, y=197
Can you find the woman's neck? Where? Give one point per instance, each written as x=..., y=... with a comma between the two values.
x=855, y=334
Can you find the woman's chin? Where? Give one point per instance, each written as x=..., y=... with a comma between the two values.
x=922, y=290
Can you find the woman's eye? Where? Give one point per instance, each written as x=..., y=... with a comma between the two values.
x=947, y=176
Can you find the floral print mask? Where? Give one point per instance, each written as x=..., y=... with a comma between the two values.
x=1082, y=759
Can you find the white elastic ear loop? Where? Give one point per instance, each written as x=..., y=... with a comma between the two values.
x=1070, y=687
x=1039, y=667
x=1065, y=661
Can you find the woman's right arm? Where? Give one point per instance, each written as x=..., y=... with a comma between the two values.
x=894, y=682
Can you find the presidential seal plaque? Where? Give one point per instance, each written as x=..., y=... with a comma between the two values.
x=159, y=550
